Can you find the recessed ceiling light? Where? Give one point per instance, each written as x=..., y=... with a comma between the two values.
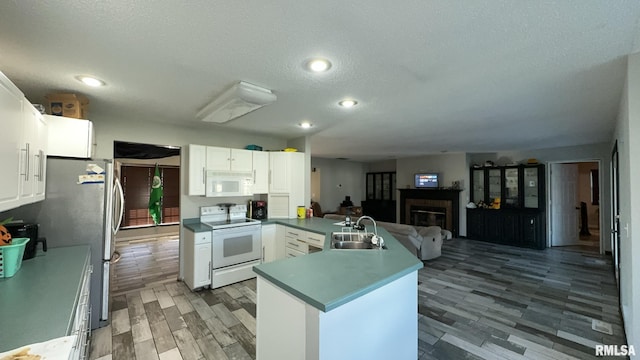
x=319, y=65
x=305, y=125
x=90, y=81
x=348, y=103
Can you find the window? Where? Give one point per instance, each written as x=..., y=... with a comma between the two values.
x=136, y=184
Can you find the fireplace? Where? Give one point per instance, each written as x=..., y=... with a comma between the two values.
x=427, y=207
x=428, y=216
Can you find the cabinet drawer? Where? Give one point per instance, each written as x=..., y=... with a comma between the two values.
x=296, y=245
x=315, y=239
x=295, y=233
x=289, y=253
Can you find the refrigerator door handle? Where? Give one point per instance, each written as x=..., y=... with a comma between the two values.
x=104, y=311
x=120, y=195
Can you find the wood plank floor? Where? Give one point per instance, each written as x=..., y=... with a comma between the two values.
x=477, y=301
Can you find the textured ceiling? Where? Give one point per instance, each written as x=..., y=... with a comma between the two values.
x=430, y=76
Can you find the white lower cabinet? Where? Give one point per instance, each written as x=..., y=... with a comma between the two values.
x=82, y=317
x=197, y=259
x=280, y=245
x=269, y=252
x=300, y=242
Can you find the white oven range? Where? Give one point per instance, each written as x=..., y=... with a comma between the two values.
x=236, y=244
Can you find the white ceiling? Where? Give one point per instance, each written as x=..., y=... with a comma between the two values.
x=430, y=76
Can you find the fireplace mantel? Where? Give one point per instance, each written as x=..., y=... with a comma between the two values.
x=450, y=196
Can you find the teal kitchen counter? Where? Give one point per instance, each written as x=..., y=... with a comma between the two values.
x=334, y=277
x=38, y=303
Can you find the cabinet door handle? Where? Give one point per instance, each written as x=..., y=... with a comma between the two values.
x=40, y=177
x=203, y=175
x=26, y=161
x=254, y=176
x=209, y=271
x=263, y=254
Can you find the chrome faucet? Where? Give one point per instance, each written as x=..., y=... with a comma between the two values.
x=376, y=240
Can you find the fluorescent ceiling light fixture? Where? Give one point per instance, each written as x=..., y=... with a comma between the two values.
x=319, y=65
x=348, y=103
x=90, y=81
x=242, y=98
x=306, y=125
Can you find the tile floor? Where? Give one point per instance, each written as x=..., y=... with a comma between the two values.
x=477, y=301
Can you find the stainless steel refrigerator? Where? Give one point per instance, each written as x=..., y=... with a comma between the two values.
x=82, y=207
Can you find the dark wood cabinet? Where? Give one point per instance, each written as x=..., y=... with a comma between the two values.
x=380, y=201
x=520, y=219
x=507, y=226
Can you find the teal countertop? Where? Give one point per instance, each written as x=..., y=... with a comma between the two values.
x=38, y=302
x=195, y=225
x=331, y=278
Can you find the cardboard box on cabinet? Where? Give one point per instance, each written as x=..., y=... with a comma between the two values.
x=68, y=105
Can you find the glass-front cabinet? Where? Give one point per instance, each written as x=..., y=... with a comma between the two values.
x=478, y=185
x=381, y=186
x=517, y=187
x=518, y=219
x=495, y=184
x=511, y=181
x=380, y=200
x=531, y=184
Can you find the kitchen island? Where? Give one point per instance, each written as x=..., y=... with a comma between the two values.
x=338, y=304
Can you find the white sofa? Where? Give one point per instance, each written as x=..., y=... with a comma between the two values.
x=424, y=242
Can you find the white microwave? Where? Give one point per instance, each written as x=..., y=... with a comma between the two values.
x=228, y=183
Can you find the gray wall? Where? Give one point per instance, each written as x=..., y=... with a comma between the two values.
x=339, y=178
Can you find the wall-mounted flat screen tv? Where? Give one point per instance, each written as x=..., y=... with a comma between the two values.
x=427, y=180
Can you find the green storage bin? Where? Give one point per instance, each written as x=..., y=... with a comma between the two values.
x=11, y=257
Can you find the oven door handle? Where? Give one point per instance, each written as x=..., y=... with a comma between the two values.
x=237, y=230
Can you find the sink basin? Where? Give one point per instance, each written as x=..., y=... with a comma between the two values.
x=352, y=240
x=353, y=245
x=351, y=236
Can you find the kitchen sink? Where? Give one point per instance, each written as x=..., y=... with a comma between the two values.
x=353, y=240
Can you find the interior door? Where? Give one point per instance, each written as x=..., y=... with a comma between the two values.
x=564, y=201
x=615, y=212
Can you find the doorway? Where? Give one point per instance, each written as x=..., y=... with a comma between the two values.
x=575, y=206
x=149, y=252
x=615, y=212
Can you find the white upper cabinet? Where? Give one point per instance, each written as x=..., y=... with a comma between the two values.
x=34, y=152
x=10, y=147
x=286, y=184
x=260, y=172
x=286, y=171
x=197, y=169
x=70, y=137
x=23, y=148
x=40, y=157
x=279, y=172
x=226, y=159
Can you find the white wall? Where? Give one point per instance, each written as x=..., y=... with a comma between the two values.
x=628, y=127
x=382, y=166
x=339, y=178
x=452, y=167
x=108, y=130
